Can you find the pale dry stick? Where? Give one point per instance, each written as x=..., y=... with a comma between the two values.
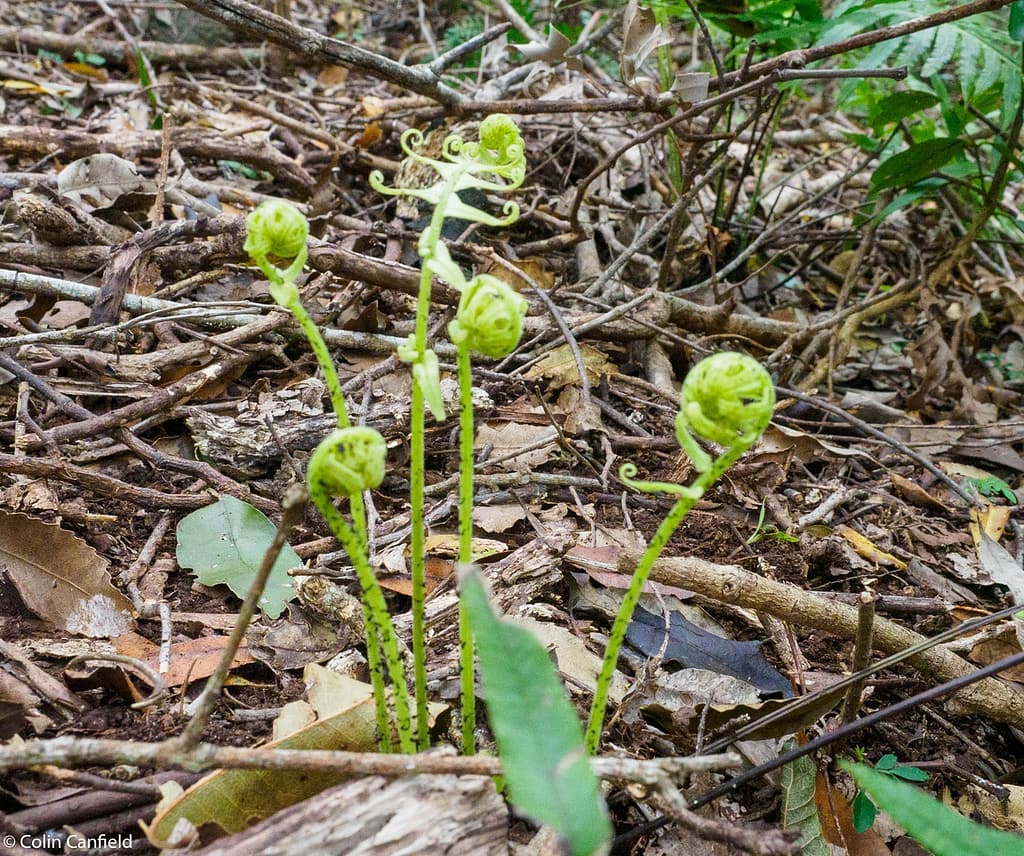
x=212, y=315
x=293, y=506
x=88, y=751
x=450, y=57
x=861, y=653
x=732, y=584
x=129, y=578
x=159, y=688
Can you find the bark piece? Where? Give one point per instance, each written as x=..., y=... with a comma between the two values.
x=418, y=816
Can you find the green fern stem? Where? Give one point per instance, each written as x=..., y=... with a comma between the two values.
x=654, y=549
x=323, y=357
x=417, y=466
x=466, y=429
x=380, y=697
x=375, y=612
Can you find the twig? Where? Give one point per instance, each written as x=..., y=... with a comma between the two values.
x=249, y=18
x=861, y=653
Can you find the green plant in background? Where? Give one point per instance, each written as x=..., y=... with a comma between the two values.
x=497, y=163
x=864, y=810
x=992, y=486
x=939, y=828
x=728, y=399
x=350, y=460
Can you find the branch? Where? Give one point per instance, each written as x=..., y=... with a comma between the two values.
x=249, y=18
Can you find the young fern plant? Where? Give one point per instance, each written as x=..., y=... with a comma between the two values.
x=349, y=461
x=727, y=399
x=497, y=163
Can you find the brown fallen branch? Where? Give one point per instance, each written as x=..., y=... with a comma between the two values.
x=30, y=141
x=195, y=57
x=89, y=751
x=249, y=18
x=107, y=486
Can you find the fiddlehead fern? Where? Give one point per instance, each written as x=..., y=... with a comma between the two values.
x=728, y=399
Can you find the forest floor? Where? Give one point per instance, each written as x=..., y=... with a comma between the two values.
x=145, y=373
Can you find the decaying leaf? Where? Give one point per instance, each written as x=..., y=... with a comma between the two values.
x=61, y=578
x=551, y=52
x=641, y=36
x=559, y=366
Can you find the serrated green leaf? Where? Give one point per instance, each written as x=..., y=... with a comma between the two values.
x=224, y=543
x=938, y=827
x=900, y=105
x=943, y=48
x=538, y=733
x=916, y=162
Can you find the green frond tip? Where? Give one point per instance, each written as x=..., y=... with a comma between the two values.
x=497, y=164
x=627, y=475
x=277, y=230
x=727, y=398
x=349, y=461
x=490, y=316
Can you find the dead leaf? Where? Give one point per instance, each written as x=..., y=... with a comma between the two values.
x=641, y=36
x=1001, y=567
x=551, y=52
x=559, y=366
x=538, y=443
x=61, y=578
x=573, y=657
x=868, y=550
x=372, y=133
x=196, y=659
x=332, y=75
x=912, y=492
x=98, y=181
x=498, y=518
x=835, y=814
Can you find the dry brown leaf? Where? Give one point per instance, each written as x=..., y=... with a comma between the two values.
x=61, y=578
x=559, y=366
x=498, y=518
x=537, y=441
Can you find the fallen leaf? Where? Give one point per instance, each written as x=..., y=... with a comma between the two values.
x=61, y=578
x=498, y=518
x=866, y=549
x=551, y=52
x=559, y=366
